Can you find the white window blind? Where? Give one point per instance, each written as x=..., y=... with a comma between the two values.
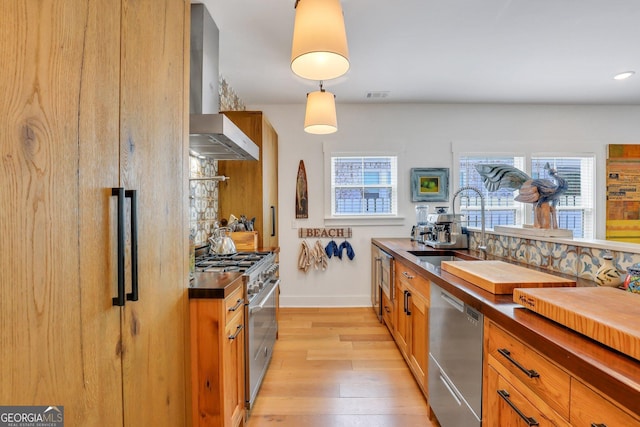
x=500, y=208
x=364, y=185
x=575, y=208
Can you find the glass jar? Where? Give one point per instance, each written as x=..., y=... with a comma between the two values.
x=421, y=214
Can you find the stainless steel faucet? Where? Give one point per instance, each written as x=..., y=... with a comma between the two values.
x=483, y=242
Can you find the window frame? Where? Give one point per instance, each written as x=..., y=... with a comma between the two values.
x=361, y=219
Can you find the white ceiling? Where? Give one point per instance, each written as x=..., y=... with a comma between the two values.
x=470, y=51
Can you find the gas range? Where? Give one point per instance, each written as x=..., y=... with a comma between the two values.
x=257, y=268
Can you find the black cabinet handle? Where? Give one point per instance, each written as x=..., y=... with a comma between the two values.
x=119, y=193
x=529, y=372
x=238, y=304
x=131, y=194
x=273, y=221
x=238, y=329
x=504, y=394
x=408, y=296
x=598, y=425
x=404, y=302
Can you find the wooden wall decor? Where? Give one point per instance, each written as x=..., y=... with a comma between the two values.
x=302, y=198
x=623, y=193
x=324, y=233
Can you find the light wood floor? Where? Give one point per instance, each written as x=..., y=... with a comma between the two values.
x=337, y=368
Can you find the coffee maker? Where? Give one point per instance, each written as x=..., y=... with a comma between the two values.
x=445, y=231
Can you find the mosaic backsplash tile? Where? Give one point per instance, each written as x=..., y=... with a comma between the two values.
x=203, y=198
x=579, y=261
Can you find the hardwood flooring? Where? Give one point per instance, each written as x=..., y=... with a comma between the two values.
x=337, y=367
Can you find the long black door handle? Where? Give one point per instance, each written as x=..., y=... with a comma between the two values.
x=408, y=296
x=132, y=194
x=119, y=193
x=273, y=221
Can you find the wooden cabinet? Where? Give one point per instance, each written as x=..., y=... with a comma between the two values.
x=217, y=361
x=521, y=386
x=412, y=321
x=252, y=189
x=388, y=312
x=94, y=97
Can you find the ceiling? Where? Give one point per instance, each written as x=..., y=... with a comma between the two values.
x=446, y=51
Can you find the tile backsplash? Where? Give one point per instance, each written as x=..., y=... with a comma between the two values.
x=576, y=259
x=203, y=198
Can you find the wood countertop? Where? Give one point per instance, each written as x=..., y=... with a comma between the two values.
x=214, y=285
x=614, y=373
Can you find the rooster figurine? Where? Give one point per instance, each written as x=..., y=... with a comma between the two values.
x=543, y=193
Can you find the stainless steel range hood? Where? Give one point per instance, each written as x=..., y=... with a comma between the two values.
x=211, y=134
x=216, y=136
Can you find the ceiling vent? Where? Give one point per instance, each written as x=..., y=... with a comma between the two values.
x=380, y=94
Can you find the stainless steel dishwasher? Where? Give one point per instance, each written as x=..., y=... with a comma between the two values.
x=455, y=360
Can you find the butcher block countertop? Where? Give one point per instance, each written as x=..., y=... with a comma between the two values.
x=610, y=371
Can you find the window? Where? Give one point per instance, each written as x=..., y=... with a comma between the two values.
x=575, y=208
x=364, y=186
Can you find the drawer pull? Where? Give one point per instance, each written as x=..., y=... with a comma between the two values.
x=238, y=304
x=407, y=275
x=238, y=329
x=598, y=425
x=387, y=309
x=504, y=394
x=507, y=354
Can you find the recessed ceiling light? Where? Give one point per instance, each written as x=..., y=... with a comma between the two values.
x=625, y=75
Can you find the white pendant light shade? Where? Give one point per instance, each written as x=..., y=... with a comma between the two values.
x=319, y=50
x=320, y=117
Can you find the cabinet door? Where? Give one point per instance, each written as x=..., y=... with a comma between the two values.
x=233, y=372
x=401, y=323
x=506, y=406
x=59, y=334
x=154, y=162
x=270, y=178
x=419, y=337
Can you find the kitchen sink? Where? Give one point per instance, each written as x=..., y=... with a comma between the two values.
x=435, y=258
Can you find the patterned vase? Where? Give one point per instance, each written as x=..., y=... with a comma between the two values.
x=608, y=274
x=632, y=282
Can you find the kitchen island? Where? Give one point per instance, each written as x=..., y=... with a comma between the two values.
x=613, y=374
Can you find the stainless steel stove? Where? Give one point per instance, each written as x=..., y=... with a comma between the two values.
x=261, y=282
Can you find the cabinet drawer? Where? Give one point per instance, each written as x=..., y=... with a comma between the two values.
x=409, y=276
x=588, y=408
x=535, y=371
x=233, y=304
x=507, y=406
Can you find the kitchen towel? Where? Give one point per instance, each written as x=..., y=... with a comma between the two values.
x=346, y=246
x=304, y=259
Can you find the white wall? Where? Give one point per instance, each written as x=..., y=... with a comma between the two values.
x=423, y=135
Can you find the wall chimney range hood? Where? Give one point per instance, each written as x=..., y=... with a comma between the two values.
x=216, y=136
x=211, y=134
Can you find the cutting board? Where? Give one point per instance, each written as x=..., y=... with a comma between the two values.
x=607, y=315
x=499, y=277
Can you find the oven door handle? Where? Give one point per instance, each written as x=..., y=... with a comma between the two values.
x=265, y=299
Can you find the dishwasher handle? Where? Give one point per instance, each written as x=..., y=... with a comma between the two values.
x=455, y=302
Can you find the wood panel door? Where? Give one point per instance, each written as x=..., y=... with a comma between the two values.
x=59, y=334
x=153, y=161
x=419, y=337
x=84, y=110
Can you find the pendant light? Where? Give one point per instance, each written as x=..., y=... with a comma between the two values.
x=319, y=49
x=320, y=116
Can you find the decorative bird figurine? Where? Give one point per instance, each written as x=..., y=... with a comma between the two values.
x=543, y=193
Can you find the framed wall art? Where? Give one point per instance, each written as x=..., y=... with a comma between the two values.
x=430, y=184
